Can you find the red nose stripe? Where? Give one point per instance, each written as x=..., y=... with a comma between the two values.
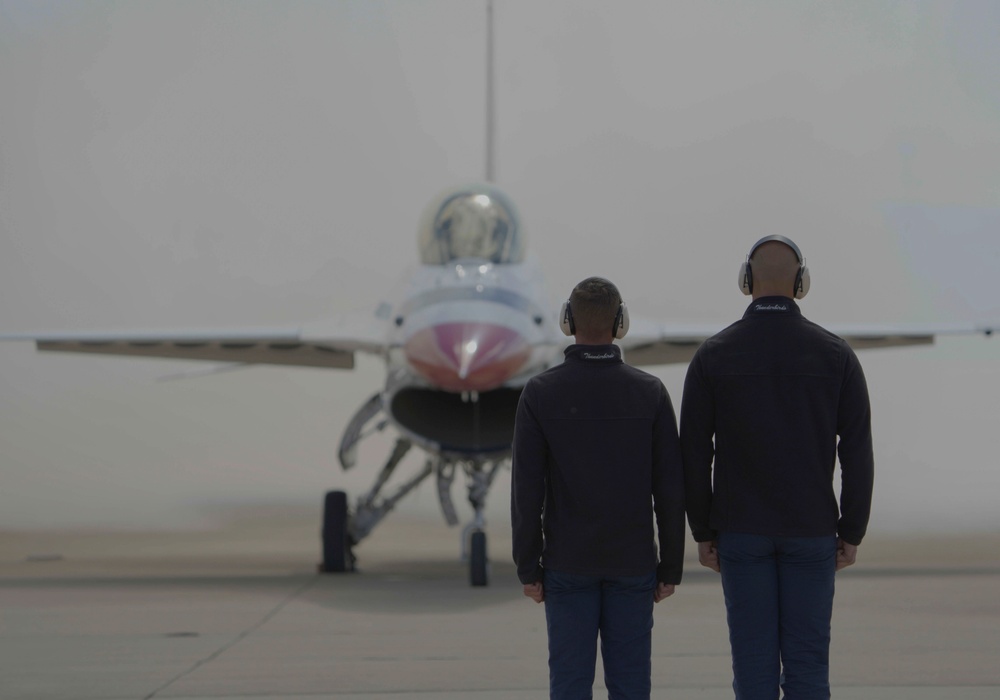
x=467, y=356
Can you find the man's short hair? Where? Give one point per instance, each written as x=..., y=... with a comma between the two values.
x=594, y=303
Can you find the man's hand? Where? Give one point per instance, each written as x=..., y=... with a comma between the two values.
x=846, y=554
x=708, y=556
x=663, y=590
x=535, y=591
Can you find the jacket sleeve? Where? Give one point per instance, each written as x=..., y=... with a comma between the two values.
x=668, y=492
x=527, y=497
x=857, y=459
x=697, y=435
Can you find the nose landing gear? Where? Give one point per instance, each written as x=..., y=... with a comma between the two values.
x=479, y=563
x=474, y=535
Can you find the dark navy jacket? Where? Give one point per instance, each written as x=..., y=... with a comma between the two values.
x=775, y=392
x=595, y=455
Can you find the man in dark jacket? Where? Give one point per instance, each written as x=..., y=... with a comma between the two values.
x=766, y=399
x=595, y=457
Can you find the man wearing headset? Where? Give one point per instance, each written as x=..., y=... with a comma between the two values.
x=766, y=400
x=596, y=458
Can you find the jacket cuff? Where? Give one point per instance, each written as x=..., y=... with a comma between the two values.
x=665, y=573
x=532, y=576
x=705, y=535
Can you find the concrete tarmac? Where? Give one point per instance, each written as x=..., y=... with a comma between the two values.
x=239, y=612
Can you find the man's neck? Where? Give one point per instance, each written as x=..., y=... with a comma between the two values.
x=757, y=294
x=592, y=340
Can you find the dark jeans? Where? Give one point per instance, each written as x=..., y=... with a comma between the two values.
x=779, y=599
x=620, y=608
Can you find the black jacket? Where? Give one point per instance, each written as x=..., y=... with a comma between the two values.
x=775, y=391
x=595, y=455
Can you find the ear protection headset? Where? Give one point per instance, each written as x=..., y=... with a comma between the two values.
x=802, y=280
x=618, y=328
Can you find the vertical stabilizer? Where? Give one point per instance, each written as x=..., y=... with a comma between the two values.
x=490, y=98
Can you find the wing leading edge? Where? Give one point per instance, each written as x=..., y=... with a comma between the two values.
x=655, y=344
x=272, y=346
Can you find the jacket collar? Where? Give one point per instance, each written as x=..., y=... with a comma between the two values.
x=772, y=306
x=603, y=354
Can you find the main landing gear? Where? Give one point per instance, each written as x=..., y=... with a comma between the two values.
x=343, y=529
x=338, y=555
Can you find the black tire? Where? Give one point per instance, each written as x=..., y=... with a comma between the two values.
x=479, y=565
x=337, y=554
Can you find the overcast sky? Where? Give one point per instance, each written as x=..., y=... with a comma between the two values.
x=230, y=164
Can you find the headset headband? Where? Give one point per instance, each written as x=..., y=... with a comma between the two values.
x=781, y=239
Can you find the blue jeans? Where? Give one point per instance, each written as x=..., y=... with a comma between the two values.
x=620, y=609
x=779, y=600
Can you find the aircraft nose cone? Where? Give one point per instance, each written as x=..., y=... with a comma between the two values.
x=467, y=356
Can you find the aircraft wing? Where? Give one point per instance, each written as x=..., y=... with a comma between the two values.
x=331, y=345
x=650, y=343
x=865, y=336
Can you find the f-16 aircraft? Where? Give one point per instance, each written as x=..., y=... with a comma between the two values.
x=470, y=325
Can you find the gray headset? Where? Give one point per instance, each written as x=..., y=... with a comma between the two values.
x=802, y=279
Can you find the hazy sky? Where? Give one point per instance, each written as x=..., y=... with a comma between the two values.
x=228, y=164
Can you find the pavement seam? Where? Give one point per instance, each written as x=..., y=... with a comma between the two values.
x=238, y=638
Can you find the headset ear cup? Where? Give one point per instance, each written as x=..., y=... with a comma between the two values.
x=746, y=278
x=566, y=319
x=802, y=282
x=621, y=322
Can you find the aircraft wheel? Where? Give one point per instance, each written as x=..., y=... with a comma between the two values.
x=479, y=565
x=337, y=554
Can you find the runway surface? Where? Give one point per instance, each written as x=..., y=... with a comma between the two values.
x=238, y=612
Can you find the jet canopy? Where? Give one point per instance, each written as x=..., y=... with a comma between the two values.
x=476, y=222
